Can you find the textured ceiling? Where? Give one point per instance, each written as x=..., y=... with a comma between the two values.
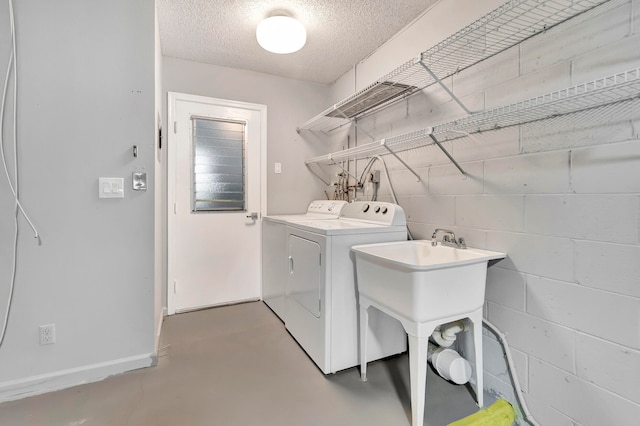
x=340, y=33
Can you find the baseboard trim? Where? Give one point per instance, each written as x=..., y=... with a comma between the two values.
x=219, y=305
x=159, y=329
x=43, y=383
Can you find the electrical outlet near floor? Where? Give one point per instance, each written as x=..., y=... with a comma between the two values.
x=47, y=334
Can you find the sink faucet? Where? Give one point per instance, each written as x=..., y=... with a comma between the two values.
x=449, y=239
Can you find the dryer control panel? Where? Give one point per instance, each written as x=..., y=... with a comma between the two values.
x=375, y=211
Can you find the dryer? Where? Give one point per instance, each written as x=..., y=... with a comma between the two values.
x=275, y=252
x=321, y=295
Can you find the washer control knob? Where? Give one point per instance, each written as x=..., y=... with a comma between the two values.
x=365, y=208
x=377, y=209
x=331, y=206
x=385, y=210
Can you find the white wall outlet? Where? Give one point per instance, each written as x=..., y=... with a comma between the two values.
x=277, y=168
x=47, y=334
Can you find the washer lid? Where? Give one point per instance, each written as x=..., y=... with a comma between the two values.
x=345, y=227
x=317, y=210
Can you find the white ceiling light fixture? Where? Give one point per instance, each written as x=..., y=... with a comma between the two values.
x=281, y=34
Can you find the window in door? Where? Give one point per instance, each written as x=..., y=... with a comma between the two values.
x=218, y=165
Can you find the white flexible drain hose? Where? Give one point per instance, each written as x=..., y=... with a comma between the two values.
x=514, y=376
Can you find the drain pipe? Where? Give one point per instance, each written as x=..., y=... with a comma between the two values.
x=444, y=335
x=449, y=364
x=516, y=384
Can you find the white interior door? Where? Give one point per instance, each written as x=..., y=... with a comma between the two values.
x=215, y=173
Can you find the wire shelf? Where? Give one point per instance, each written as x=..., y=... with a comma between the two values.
x=594, y=94
x=504, y=27
x=381, y=147
x=617, y=95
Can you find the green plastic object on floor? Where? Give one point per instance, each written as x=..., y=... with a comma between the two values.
x=500, y=413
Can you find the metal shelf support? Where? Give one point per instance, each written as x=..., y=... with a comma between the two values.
x=390, y=151
x=455, y=163
x=444, y=87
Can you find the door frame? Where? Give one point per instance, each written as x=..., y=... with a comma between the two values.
x=172, y=99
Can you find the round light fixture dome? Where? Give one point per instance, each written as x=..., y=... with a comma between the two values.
x=281, y=34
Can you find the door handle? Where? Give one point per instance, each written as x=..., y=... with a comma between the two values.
x=290, y=264
x=253, y=216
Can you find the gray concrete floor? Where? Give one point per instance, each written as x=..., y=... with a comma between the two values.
x=237, y=365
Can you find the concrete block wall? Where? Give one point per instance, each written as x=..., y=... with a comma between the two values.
x=562, y=199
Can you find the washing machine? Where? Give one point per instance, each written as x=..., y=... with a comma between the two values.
x=275, y=251
x=321, y=306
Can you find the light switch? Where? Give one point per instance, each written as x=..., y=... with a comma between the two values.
x=110, y=187
x=277, y=168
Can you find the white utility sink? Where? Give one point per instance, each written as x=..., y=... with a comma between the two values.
x=423, y=286
x=423, y=282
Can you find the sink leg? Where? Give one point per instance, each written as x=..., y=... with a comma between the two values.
x=364, y=328
x=477, y=347
x=418, y=374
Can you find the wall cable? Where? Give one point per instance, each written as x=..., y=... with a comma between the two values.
x=12, y=67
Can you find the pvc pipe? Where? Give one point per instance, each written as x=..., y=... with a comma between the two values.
x=450, y=330
x=445, y=335
x=449, y=364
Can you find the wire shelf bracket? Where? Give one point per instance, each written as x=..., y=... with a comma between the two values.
x=390, y=151
x=445, y=88
x=455, y=163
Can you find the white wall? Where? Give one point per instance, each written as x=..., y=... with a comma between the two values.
x=564, y=203
x=86, y=96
